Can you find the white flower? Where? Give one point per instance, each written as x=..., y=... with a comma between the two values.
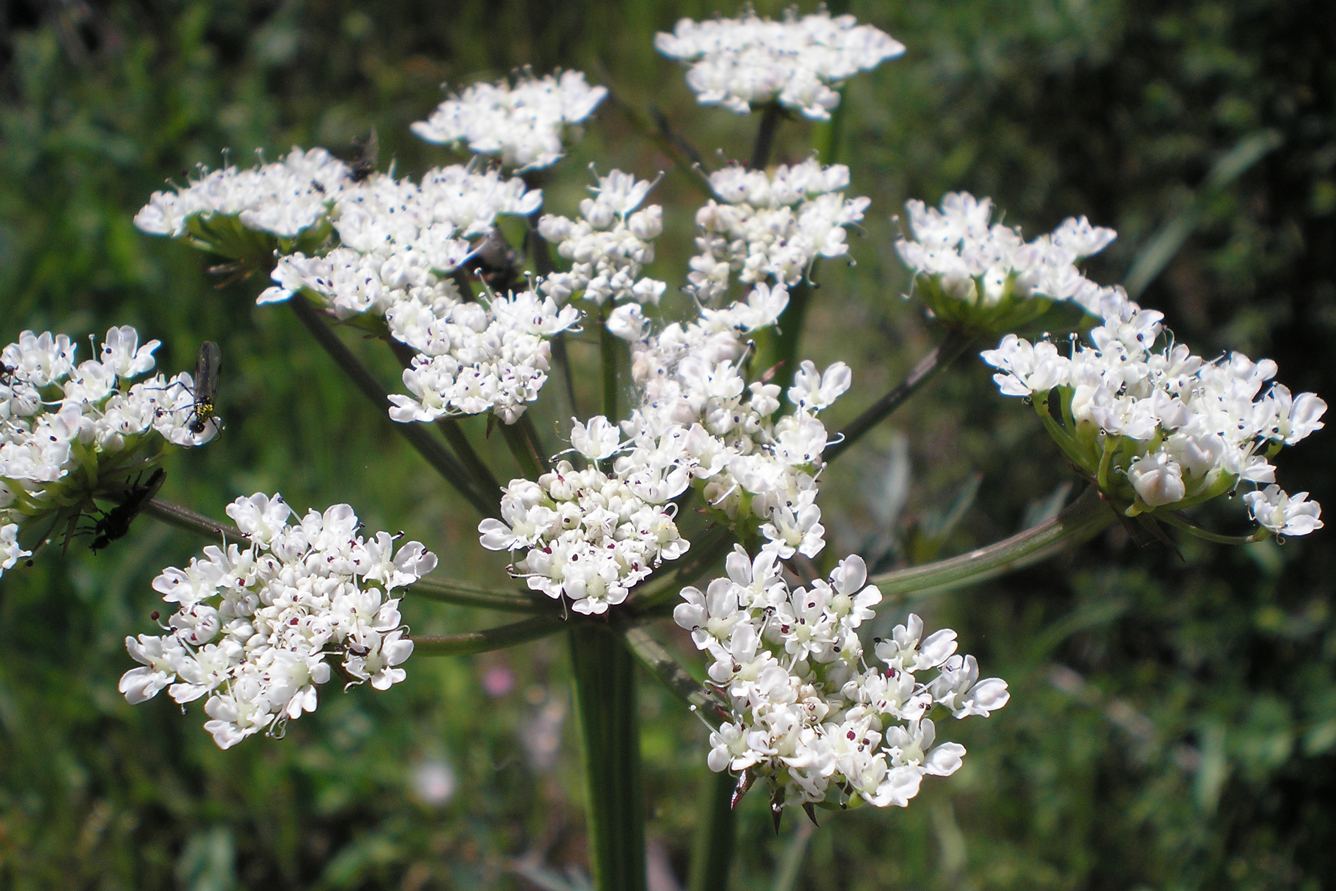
x=608, y=245
x=804, y=710
x=969, y=269
x=747, y=62
x=771, y=226
x=1282, y=513
x=284, y=198
x=256, y=627
x=10, y=552
x=1159, y=426
x=521, y=122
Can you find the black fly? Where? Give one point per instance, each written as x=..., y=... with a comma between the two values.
x=207, y=365
x=366, y=154
x=114, y=523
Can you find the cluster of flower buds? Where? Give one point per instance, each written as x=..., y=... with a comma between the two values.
x=771, y=226
x=986, y=277
x=1159, y=428
x=798, y=63
x=608, y=245
x=256, y=627
x=71, y=431
x=587, y=535
x=804, y=710
x=521, y=122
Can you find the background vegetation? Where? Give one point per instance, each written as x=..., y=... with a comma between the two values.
x=1173, y=720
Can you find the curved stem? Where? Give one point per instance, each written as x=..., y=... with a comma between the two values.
x=1078, y=522
x=523, y=444
x=498, y=638
x=951, y=348
x=1205, y=534
x=184, y=518
x=465, y=594
x=426, y=445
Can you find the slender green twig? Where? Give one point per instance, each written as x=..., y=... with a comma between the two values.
x=465, y=594
x=951, y=348
x=1078, y=522
x=1205, y=534
x=671, y=674
x=426, y=445
x=191, y=521
x=498, y=638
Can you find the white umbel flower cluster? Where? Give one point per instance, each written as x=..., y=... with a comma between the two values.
x=257, y=627
x=1159, y=427
x=806, y=711
x=608, y=245
x=748, y=62
x=523, y=123
x=985, y=274
x=283, y=198
x=475, y=357
x=587, y=535
x=400, y=242
x=699, y=414
x=771, y=226
x=71, y=430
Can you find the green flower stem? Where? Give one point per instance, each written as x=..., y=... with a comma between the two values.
x=483, y=478
x=471, y=642
x=523, y=444
x=426, y=445
x=716, y=835
x=1205, y=534
x=765, y=136
x=670, y=672
x=465, y=594
x=187, y=519
x=605, y=702
x=1078, y=522
x=951, y=348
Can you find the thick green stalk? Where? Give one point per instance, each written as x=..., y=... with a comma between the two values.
x=1078, y=522
x=716, y=835
x=605, y=702
x=520, y=439
x=765, y=137
x=426, y=445
x=951, y=348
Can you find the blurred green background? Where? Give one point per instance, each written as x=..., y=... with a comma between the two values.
x=1173, y=721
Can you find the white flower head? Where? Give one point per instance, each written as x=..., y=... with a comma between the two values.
x=257, y=626
x=748, y=62
x=522, y=121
